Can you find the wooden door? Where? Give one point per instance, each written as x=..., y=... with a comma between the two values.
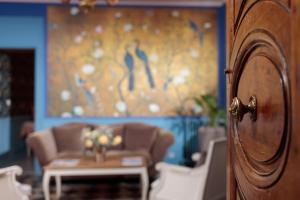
x=263, y=93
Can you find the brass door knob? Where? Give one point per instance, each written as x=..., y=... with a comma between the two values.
x=238, y=109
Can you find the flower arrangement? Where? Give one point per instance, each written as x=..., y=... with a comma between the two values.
x=98, y=140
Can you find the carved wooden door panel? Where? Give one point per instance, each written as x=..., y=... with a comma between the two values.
x=263, y=83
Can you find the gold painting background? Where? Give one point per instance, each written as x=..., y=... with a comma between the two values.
x=87, y=71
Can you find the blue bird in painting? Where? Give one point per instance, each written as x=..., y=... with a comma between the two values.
x=200, y=34
x=144, y=58
x=129, y=62
x=86, y=89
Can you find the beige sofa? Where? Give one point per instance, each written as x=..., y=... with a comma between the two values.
x=65, y=141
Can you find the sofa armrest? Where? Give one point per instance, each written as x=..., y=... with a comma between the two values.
x=43, y=146
x=162, y=143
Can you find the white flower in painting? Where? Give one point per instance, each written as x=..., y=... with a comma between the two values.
x=142, y=94
x=207, y=25
x=175, y=13
x=66, y=115
x=65, y=95
x=154, y=57
x=185, y=72
x=98, y=53
x=111, y=88
x=98, y=29
x=197, y=109
x=118, y=15
x=78, y=39
x=74, y=11
x=88, y=69
x=194, y=53
x=128, y=27
x=93, y=90
x=154, y=108
x=121, y=106
x=78, y=110
x=157, y=31
x=179, y=80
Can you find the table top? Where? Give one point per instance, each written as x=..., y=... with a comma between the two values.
x=87, y=162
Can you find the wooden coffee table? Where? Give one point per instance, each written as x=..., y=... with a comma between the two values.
x=85, y=166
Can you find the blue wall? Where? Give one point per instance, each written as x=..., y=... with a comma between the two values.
x=4, y=135
x=17, y=31
x=24, y=26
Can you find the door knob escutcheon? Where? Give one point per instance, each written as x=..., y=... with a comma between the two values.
x=238, y=109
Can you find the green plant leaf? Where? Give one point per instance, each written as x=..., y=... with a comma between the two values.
x=198, y=101
x=215, y=114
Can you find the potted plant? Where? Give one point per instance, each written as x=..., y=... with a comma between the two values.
x=213, y=117
x=216, y=116
x=215, y=122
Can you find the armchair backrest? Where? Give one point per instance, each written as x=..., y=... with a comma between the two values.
x=139, y=136
x=205, y=135
x=215, y=183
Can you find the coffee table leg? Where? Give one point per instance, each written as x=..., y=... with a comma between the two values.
x=58, y=186
x=145, y=184
x=46, y=180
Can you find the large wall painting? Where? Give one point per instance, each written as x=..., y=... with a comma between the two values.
x=129, y=61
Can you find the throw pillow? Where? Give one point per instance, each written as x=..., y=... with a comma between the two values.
x=68, y=136
x=140, y=136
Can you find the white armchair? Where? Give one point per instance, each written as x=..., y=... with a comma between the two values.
x=9, y=187
x=205, y=182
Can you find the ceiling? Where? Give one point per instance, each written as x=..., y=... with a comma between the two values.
x=204, y=3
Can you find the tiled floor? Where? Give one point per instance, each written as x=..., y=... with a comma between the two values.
x=102, y=188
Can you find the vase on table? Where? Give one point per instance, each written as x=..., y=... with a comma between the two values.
x=100, y=155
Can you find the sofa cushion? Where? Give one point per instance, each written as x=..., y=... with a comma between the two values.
x=43, y=145
x=139, y=136
x=207, y=134
x=68, y=136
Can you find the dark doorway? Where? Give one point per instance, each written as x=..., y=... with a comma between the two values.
x=21, y=100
